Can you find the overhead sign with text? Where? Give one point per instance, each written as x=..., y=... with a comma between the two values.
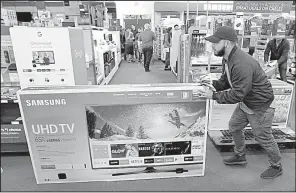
x=115, y=133
x=262, y=6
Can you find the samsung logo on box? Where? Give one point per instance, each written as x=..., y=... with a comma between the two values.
x=52, y=102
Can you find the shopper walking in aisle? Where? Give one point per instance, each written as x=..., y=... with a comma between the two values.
x=129, y=45
x=133, y=30
x=244, y=82
x=279, y=48
x=122, y=42
x=168, y=45
x=138, y=46
x=147, y=37
x=135, y=46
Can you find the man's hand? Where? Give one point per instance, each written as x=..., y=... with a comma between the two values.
x=207, y=93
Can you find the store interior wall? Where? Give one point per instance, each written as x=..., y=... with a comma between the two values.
x=134, y=8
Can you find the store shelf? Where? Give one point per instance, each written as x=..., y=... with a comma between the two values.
x=10, y=84
x=100, y=79
x=13, y=138
x=174, y=73
x=288, y=80
x=9, y=101
x=14, y=148
x=110, y=76
x=18, y=121
x=291, y=81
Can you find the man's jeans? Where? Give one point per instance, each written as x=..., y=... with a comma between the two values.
x=261, y=127
x=283, y=71
x=148, y=52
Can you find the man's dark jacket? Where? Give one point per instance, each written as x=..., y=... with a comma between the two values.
x=249, y=83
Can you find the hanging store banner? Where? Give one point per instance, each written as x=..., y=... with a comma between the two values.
x=182, y=6
x=262, y=6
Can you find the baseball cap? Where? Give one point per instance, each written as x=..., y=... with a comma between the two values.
x=223, y=33
x=279, y=36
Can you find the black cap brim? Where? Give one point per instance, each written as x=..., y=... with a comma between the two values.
x=213, y=39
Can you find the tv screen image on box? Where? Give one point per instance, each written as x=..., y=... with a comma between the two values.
x=43, y=58
x=145, y=131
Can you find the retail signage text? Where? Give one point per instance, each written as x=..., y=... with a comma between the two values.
x=13, y=134
x=262, y=6
x=217, y=7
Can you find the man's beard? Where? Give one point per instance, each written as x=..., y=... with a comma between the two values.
x=220, y=53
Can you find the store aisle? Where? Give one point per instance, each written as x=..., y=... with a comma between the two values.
x=133, y=73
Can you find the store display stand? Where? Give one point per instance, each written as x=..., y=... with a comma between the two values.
x=13, y=139
x=175, y=49
x=199, y=59
x=283, y=133
x=107, y=56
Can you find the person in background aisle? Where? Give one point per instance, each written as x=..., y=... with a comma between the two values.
x=133, y=30
x=167, y=45
x=243, y=81
x=135, y=46
x=146, y=38
x=279, y=48
x=122, y=42
x=129, y=45
x=176, y=27
x=138, y=46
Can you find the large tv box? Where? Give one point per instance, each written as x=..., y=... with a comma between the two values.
x=110, y=133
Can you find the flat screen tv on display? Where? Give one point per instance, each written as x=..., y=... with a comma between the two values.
x=110, y=133
x=24, y=16
x=201, y=52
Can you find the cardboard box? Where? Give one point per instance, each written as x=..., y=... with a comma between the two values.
x=110, y=133
x=49, y=56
